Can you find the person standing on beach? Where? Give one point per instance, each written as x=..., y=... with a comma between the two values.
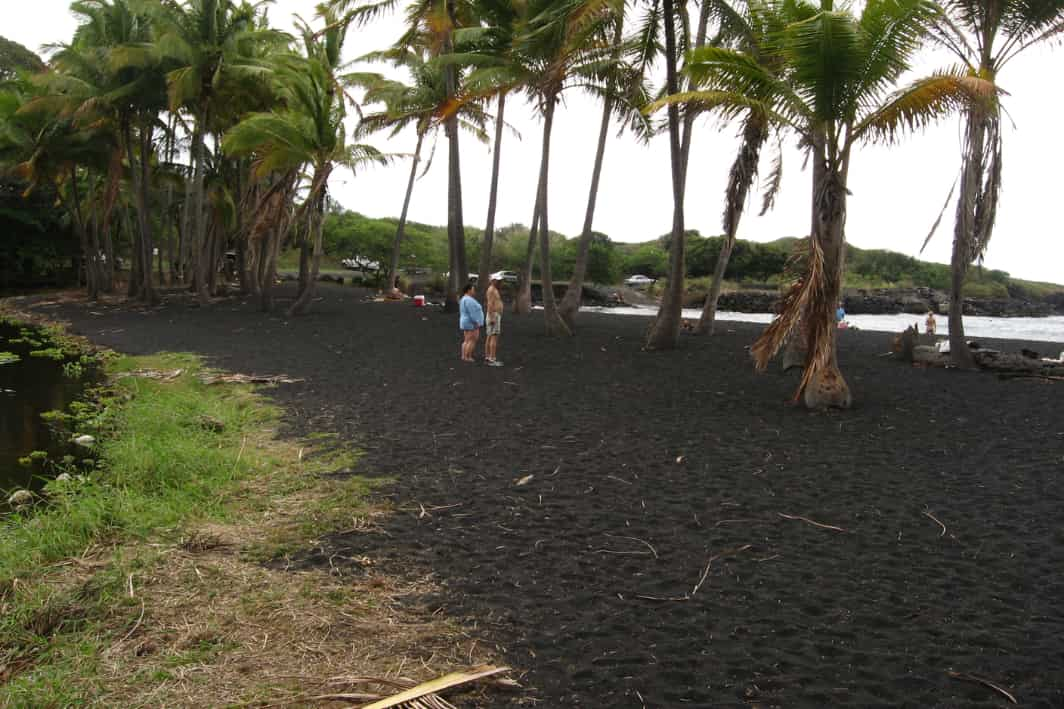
x=470, y=320
x=930, y=325
x=494, y=323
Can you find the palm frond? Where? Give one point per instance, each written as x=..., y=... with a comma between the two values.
x=922, y=103
x=775, y=179
x=807, y=265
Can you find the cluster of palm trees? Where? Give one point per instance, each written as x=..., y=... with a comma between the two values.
x=193, y=125
x=186, y=128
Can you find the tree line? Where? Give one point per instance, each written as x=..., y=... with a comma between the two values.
x=184, y=128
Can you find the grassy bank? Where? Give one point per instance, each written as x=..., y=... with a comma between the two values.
x=143, y=581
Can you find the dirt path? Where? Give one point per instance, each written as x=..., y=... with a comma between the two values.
x=685, y=537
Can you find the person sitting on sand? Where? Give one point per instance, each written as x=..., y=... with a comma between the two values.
x=470, y=320
x=494, y=324
x=930, y=325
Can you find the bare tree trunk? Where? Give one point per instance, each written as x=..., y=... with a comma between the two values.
x=689, y=115
x=523, y=301
x=145, y=290
x=267, y=274
x=489, y=225
x=823, y=383
x=93, y=229
x=83, y=238
x=400, y=231
x=709, y=308
x=965, y=234
x=573, y=294
x=198, y=232
x=133, y=284
x=553, y=322
x=317, y=221
x=740, y=179
x=455, y=225
x=665, y=332
x=109, y=253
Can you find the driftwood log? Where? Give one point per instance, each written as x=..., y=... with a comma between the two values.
x=1007, y=365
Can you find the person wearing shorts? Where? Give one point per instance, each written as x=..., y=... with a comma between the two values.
x=470, y=320
x=494, y=322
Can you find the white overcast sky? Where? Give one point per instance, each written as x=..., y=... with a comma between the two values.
x=897, y=191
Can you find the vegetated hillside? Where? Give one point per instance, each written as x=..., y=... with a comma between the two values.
x=15, y=58
x=753, y=264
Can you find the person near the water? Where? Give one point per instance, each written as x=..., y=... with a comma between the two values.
x=470, y=320
x=494, y=322
x=930, y=325
x=840, y=313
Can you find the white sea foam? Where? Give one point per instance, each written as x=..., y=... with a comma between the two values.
x=1050, y=329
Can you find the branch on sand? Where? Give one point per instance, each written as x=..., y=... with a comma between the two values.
x=701, y=579
x=963, y=676
x=809, y=521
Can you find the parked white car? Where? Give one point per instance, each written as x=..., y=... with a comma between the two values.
x=506, y=276
x=359, y=263
x=637, y=281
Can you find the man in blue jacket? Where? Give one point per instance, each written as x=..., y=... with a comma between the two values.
x=471, y=319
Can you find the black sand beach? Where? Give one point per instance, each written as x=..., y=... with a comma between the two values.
x=654, y=553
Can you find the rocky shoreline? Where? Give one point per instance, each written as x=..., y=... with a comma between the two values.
x=881, y=301
x=916, y=301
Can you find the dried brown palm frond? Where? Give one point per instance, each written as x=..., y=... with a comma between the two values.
x=807, y=268
x=806, y=308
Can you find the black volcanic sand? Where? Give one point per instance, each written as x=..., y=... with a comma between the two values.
x=647, y=469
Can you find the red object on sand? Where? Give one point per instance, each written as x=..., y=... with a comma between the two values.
x=419, y=301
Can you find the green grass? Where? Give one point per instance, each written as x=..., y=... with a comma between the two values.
x=158, y=465
x=172, y=456
x=289, y=261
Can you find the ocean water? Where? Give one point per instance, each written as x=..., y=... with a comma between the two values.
x=1050, y=329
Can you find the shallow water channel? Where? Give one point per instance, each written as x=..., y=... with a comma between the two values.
x=29, y=386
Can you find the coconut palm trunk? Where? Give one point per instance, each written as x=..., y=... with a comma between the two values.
x=665, y=332
x=823, y=384
x=523, y=300
x=493, y=198
x=78, y=220
x=573, y=293
x=316, y=209
x=740, y=179
x=141, y=179
x=551, y=319
x=455, y=227
x=197, y=207
x=690, y=113
x=968, y=231
x=400, y=231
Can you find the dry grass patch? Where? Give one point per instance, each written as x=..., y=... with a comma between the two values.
x=216, y=630
x=171, y=603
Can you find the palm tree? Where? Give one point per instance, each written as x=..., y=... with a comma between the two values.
x=207, y=43
x=421, y=104
x=751, y=29
x=45, y=147
x=833, y=91
x=110, y=75
x=665, y=330
x=623, y=89
x=490, y=47
x=308, y=130
x=566, y=43
x=985, y=35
